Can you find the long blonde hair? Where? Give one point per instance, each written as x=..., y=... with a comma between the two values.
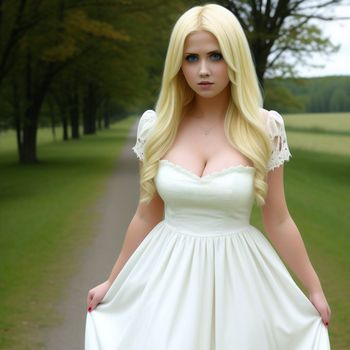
x=244, y=124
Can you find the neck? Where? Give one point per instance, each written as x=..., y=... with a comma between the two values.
x=213, y=108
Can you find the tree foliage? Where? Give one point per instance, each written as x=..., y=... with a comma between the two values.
x=283, y=33
x=85, y=59
x=308, y=95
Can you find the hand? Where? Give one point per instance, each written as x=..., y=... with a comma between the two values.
x=96, y=294
x=318, y=299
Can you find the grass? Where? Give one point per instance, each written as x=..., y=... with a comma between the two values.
x=320, y=121
x=45, y=216
x=326, y=133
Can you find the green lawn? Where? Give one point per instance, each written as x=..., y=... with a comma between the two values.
x=45, y=218
x=319, y=132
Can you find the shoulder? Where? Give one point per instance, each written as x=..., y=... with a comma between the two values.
x=147, y=118
x=271, y=115
x=273, y=121
x=264, y=113
x=148, y=114
x=145, y=124
x=277, y=134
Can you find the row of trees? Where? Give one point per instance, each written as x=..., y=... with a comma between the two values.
x=81, y=60
x=309, y=95
x=76, y=62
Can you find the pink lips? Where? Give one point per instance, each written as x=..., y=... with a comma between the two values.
x=205, y=83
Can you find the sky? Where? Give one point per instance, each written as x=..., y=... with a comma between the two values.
x=339, y=33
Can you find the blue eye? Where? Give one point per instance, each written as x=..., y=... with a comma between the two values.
x=216, y=56
x=188, y=58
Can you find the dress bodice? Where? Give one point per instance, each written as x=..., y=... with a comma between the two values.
x=219, y=201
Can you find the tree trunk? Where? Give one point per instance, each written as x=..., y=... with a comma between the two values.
x=89, y=111
x=74, y=113
x=65, y=136
x=105, y=113
x=35, y=94
x=28, y=147
x=29, y=154
x=106, y=119
x=17, y=118
x=52, y=119
x=29, y=139
x=99, y=121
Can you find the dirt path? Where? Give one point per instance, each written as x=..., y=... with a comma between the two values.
x=116, y=208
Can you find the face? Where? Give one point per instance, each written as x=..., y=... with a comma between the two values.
x=203, y=61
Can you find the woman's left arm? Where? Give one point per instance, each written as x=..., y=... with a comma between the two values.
x=286, y=238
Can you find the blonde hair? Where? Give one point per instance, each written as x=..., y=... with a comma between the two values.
x=244, y=124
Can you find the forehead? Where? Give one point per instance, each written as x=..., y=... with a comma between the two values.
x=201, y=41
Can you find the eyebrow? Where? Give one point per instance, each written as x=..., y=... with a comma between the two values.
x=214, y=51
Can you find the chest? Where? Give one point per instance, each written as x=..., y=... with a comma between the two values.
x=227, y=193
x=204, y=153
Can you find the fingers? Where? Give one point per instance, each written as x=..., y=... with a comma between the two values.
x=326, y=316
x=89, y=297
x=94, y=302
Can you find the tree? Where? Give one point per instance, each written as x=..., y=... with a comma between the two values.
x=280, y=98
x=339, y=101
x=104, y=55
x=277, y=29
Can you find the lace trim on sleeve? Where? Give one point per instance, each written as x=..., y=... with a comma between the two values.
x=278, y=136
x=138, y=148
x=145, y=123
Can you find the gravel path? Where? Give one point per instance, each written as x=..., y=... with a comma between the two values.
x=116, y=208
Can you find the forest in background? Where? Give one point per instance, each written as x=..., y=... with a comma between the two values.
x=78, y=64
x=308, y=95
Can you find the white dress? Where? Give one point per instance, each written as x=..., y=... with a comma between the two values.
x=204, y=278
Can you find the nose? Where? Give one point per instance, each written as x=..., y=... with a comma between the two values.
x=204, y=69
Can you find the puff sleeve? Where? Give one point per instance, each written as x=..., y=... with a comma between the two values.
x=278, y=137
x=145, y=124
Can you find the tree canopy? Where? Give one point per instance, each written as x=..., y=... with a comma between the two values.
x=87, y=62
x=283, y=33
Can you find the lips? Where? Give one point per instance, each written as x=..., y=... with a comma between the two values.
x=205, y=83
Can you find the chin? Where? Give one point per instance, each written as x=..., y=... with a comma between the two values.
x=207, y=95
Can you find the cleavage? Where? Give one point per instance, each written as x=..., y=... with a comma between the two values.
x=190, y=151
x=228, y=164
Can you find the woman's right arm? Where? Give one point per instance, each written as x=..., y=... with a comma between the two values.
x=145, y=218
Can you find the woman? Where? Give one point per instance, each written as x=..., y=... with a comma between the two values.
x=193, y=273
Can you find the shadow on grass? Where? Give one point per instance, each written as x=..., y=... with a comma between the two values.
x=317, y=131
x=61, y=164
x=332, y=166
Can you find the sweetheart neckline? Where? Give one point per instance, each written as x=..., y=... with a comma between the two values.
x=214, y=173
